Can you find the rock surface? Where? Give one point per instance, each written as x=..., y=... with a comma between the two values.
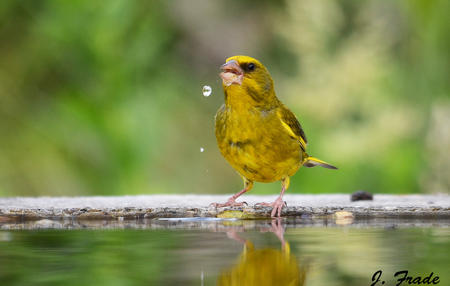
x=171, y=206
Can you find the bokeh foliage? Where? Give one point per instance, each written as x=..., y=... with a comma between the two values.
x=105, y=98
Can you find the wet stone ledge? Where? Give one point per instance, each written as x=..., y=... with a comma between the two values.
x=182, y=206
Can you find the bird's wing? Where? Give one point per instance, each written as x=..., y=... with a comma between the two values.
x=290, y=122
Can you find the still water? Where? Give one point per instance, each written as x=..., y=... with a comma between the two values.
x=194, y=252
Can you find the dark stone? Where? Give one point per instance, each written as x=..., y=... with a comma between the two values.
x=306, y=216
x=361, y=196
x=390, y=227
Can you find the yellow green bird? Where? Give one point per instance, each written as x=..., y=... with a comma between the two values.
x=267, y=266
x=256, y=133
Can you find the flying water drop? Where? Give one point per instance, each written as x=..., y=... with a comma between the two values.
x=206, y=90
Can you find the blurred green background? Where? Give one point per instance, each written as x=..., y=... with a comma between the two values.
x=105, y=98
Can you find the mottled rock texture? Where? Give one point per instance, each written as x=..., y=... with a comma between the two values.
x=170, y=206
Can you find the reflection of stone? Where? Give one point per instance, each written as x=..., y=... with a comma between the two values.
x=343, y=217
x=46, y=223
x=265, y=266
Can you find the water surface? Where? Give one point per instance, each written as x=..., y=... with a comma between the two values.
x=222, y=252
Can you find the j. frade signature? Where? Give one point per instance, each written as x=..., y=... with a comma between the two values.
x=431, y=279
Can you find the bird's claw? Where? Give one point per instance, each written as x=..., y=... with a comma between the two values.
x=277, y=207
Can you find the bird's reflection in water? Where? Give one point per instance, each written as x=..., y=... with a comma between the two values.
x=267, y=266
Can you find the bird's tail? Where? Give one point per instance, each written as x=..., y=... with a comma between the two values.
x=312, y=162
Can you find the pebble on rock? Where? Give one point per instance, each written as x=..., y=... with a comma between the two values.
x=343, y=217
x=361, y=196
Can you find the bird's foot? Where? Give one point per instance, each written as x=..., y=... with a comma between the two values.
x=230, y=203
x=277, y=206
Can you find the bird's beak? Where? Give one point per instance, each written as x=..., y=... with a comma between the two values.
x=231, y=73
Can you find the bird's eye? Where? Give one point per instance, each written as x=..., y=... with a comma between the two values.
x=251, y=66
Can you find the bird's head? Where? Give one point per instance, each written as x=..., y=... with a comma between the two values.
x=247, y=76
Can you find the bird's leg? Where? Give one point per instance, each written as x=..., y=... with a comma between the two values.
x=278, y=204
x=278, y=230
x=248, y=185
x=233, y=235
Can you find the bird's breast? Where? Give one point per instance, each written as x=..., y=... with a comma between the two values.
x=256, y=145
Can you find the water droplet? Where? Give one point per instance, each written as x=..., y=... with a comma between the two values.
x=202, y=149
x=206, y=90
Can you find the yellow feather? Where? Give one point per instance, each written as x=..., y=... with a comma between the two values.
x=291, y=133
